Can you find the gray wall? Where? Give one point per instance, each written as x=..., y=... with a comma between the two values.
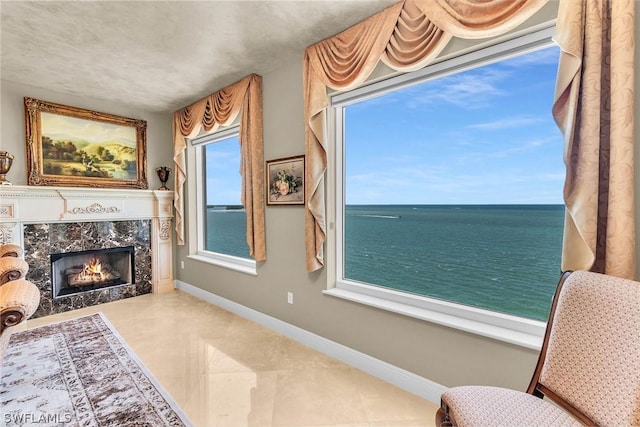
x=13, y=140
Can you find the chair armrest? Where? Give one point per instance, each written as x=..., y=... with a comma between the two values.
x=9, y=249
x=12, y=268
x=11, y=317
x=19, y=299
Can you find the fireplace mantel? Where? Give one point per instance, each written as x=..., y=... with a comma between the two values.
x=21, y=205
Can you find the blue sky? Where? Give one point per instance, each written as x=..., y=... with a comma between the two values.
x=223, y=172
x=483, y=136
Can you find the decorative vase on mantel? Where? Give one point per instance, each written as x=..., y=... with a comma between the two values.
x=163, y=173
x=6, y=160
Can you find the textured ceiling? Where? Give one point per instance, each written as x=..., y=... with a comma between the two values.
x=161, y=55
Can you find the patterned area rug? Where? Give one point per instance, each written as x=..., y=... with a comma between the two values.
x=80, y=373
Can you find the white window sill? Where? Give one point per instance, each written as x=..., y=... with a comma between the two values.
x=242, y=265
x=503, y=327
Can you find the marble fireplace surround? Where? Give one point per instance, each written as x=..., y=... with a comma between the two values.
x=51, y=218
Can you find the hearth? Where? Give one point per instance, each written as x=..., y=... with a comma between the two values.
x=82, y=271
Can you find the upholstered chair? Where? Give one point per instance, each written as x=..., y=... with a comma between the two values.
x=19, y=298
x=12, y=268
x=9, y=249
x=588, y=371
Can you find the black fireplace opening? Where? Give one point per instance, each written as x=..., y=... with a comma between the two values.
x=82, y=271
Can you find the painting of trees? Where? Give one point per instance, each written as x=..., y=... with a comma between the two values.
x=79, y=157
x=74, y=147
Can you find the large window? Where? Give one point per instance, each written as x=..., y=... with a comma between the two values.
x=449, y=187
x=221, y=218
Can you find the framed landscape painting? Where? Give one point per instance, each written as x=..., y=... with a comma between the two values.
x=285, y=181
x=73, y=147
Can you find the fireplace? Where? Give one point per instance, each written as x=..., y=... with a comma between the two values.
x=85, y=219
x=89, y=270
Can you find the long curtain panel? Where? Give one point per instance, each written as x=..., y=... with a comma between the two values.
x=406, y=36
x=594, y=109
x=208, y=114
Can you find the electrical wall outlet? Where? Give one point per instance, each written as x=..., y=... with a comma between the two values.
x=290, y=297
x=182, y=265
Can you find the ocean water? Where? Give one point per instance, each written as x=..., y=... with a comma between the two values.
x=227, y=231
x=504, y=258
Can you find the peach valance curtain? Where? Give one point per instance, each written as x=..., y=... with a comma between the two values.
x=406, y=36
x=219, y=109
x=594, y=109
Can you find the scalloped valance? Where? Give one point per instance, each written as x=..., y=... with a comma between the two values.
x=208, y=114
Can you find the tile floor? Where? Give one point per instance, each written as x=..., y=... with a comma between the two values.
x=224, y=370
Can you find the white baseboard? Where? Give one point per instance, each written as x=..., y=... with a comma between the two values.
x=399, y=377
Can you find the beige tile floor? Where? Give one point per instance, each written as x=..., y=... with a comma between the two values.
x=224, y=370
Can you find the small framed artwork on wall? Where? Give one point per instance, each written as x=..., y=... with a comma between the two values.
x=285, y=181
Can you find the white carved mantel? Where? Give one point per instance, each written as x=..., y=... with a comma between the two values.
x=21, y=205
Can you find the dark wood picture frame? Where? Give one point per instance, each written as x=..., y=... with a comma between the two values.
x=285, y=181
x=74, y=147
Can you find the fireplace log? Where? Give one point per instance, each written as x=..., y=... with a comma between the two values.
x=78, y=276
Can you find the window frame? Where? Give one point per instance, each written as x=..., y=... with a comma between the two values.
x=508, y=328
x=197, y=204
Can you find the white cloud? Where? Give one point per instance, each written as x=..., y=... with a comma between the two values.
x=450, y=184
x=509, y=123
x=469, y=90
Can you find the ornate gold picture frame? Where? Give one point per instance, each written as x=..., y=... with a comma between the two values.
x=73, y=147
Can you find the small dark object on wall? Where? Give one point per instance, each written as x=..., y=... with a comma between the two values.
x=163, y=173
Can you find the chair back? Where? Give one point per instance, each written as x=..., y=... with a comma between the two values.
x=590, y=359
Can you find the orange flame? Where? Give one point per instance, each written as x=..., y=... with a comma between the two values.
x=94, y=267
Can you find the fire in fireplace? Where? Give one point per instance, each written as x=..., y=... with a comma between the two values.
x=91, y=273
x=75, y=272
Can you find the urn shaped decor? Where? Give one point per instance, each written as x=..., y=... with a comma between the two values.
x=163, y=173
x=6, y=160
